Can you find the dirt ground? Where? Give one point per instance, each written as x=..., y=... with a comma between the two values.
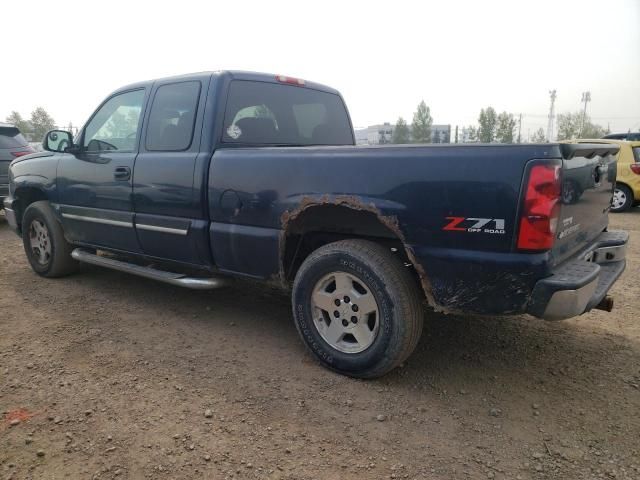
x=105, y=375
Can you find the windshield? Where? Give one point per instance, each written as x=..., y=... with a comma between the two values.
x=265, y=113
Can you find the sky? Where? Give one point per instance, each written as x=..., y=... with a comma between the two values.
x=457, y=56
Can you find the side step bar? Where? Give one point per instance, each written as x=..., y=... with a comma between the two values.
x=178, y=279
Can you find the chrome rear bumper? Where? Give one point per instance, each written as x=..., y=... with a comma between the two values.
x=580, y=285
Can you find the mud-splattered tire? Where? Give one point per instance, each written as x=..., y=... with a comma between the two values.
x=357, y=308
x=47, y=250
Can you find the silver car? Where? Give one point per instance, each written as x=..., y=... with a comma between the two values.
x=12, y=145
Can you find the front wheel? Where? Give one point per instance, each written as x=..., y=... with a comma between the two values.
x=46, y=248
x=357, y=308
x=622, y=199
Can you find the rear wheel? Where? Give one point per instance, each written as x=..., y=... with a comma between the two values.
x=622, y=199
x=357, y=308
x=46, y=248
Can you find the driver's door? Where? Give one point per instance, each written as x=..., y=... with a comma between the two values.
x=95, y=184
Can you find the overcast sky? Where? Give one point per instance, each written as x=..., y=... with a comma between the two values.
x=459, y=56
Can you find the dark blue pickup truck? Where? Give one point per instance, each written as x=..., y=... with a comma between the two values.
x=196, y=179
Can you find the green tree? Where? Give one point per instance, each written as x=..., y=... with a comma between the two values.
x=506, y=128
x=570, y=126
x=592, y=130
x=401, y=133
x=16, y=119
x=421, y=125
x=41, y=123
x=488, y=121
x=471, y=134
x=539, y=136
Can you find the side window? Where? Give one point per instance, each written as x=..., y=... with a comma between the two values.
x=115, y=125
x=172, y=117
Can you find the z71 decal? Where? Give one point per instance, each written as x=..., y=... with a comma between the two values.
x=475, y=225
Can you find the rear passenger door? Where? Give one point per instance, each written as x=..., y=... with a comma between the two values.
x=169, y=211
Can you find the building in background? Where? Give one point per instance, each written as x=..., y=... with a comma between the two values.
x=383, y=133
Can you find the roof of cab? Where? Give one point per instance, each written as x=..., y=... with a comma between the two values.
x=231, y=74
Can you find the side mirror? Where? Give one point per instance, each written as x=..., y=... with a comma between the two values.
x=57, y=141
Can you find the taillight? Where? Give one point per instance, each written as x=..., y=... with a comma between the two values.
x=290, y=80
x=541, y=208
x=635, y=168
x=20, y=153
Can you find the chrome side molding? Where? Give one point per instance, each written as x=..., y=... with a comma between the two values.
x=156, y=228
x=103, y=221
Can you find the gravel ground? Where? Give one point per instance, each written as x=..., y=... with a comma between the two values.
x=104, y=375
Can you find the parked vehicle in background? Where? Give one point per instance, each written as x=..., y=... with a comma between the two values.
x=12, y=145
x=627, y=191
x=255, y=175
x=631, y=136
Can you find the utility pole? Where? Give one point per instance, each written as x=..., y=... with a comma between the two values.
x=586, y=98
x=552, y=94
x=519, y=128
x=456, y=133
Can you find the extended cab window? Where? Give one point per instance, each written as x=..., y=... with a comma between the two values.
x=270, y=114
x=173, y=116
x=115, y=125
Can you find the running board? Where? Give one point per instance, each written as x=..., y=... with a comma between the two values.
x=178, y=279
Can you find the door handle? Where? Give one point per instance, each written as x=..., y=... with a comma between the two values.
x=122, y=173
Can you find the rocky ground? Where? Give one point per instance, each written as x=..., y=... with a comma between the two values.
x=104, y=375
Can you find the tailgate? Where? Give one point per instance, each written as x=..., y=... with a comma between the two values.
x=588, y=180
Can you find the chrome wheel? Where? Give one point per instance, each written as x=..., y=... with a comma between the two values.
x=345, y=312
x=40, y=242
x=619, y=199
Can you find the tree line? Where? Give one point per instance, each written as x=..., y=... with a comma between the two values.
x=491, y=128
x=36, y=126
x=420, y=130
x=502, y=128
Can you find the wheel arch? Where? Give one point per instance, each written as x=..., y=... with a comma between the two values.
x=625, y=184
x=25, y=196
x=315, y=224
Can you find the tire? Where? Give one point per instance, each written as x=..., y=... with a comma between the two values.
x=622, y=199
x=359, y=342
x=46, y=248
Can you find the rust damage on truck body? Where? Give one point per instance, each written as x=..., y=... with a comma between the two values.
x=354, y=203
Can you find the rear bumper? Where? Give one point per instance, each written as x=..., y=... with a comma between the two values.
x=10, y=214
x=4, y=191
x=580, y=284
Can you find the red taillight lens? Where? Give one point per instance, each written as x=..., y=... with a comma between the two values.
x=290, y=80
x=635, y=168
x=20, y=153
x=539, y=217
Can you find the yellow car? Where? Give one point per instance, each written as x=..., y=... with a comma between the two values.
x=627, y=192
